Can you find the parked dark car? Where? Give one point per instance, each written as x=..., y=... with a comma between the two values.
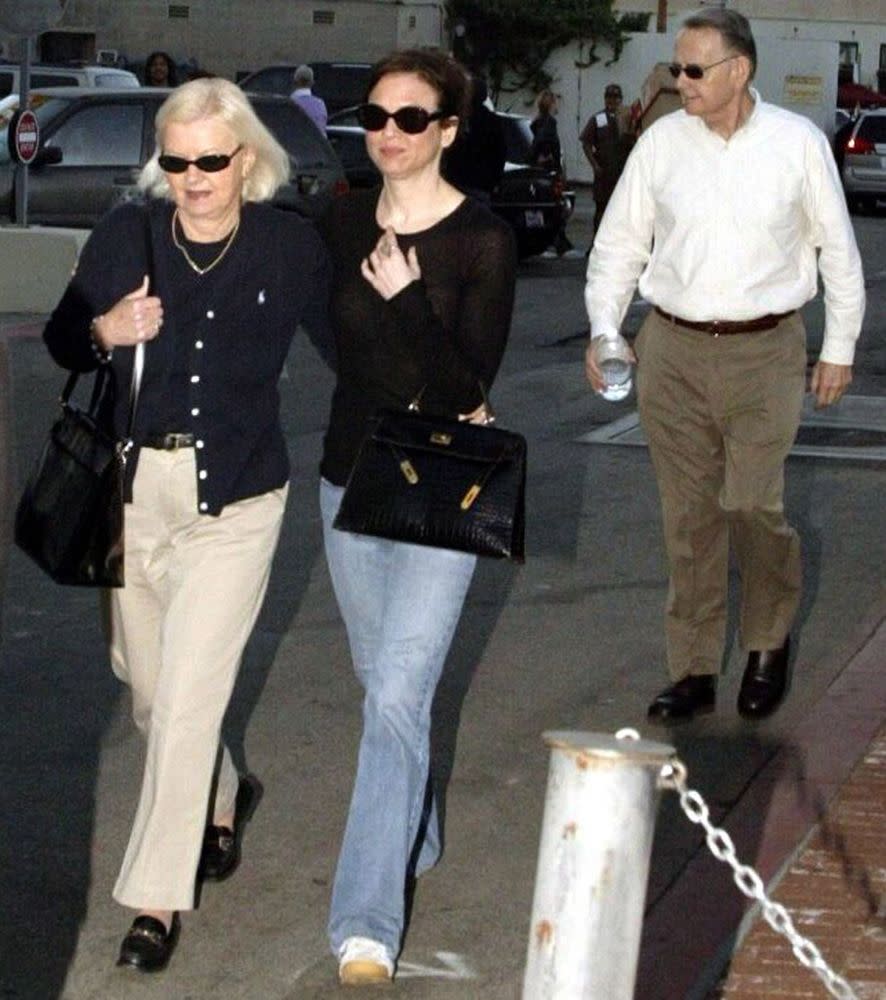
x=340, y=84
x=534, y=201
x=94, y=141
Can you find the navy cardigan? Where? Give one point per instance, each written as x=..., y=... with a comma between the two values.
x=243, y=317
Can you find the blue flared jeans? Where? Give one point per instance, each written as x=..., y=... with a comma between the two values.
x=400, y=604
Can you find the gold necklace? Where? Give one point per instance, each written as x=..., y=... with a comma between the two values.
x=194, y=266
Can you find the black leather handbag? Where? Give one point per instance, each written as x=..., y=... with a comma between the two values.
x=70, y=516
x=69, y=519
x=441, y=482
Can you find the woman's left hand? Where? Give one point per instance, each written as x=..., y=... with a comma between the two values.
x=386, y=268
x=482, y=415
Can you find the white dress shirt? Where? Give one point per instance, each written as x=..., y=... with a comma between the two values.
x=710, y=229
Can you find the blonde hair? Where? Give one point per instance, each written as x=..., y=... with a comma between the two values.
x=546, y=103
x=213, y=97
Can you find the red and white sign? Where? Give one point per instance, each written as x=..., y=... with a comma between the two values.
x=24, y=134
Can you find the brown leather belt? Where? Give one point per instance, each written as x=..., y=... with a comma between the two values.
x=169, y=442
x=715, y=327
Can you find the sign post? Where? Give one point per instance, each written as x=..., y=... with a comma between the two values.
x=26, y=19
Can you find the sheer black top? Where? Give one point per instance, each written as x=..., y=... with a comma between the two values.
x=441, y=336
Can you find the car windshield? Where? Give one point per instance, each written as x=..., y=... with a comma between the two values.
x=873, y=128
x=113, y=79
x=346, y=117
x=306, y=145
x=340, y=84
x=44, y=108
x=518, y=138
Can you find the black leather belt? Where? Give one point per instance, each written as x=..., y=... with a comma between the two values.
x=169, y=442
x=715, y=327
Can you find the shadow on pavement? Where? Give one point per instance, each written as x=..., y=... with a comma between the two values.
x=688, y=886
x=6, y=468
x=57, y=694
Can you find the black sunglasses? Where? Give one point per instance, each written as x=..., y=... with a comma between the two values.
x=692, y=70
x=410, y=119
x=209, y=163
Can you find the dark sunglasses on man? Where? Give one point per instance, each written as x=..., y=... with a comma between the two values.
x=692, y=70
x=410, y=119
x=209, y=163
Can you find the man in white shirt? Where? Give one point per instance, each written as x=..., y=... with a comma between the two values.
x=726, y=213
x=313, y=106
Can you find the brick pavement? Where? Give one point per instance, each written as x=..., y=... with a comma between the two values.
x=835, y=891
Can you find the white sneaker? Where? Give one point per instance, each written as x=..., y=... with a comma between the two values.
x=362, y=960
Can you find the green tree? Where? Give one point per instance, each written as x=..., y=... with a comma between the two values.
x=510, y=40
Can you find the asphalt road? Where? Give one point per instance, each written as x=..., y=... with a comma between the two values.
x=572, y=640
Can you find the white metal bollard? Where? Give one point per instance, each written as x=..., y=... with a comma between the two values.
x=593, y=863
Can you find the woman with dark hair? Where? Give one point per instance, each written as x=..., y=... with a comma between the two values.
x=160, y=70
x=423, y=290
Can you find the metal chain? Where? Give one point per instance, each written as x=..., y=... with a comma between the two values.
x=673, y=776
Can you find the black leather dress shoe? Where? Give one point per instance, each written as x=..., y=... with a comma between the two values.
x=765, y=682
x=221, y=845
x=687, y=698
x=148, y=945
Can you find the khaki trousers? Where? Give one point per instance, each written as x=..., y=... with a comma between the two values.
x=194, y=586
x=720, y=415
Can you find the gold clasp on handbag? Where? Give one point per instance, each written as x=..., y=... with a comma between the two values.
x=441, y=437
x=408, y=470
x=468, y=499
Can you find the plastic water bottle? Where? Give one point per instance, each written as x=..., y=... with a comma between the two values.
x=614, y=360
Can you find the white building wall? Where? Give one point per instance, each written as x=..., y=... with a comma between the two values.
x=861, y=21
x=780, y=64
x=230, y=36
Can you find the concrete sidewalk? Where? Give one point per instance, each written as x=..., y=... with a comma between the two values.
x=570, y=641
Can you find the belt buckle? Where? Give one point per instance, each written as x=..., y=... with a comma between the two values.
x=173, y=441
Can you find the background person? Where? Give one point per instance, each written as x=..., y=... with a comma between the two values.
x=160, y=70
x=726, y=213
x=422, y=298
x=208, y=474
x=475, y=162
x=314, y=107
x=607, y=140
x=546, y=153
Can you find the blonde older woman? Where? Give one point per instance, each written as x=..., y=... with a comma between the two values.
x=207, y=475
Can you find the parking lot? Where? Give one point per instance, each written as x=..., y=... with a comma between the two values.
x=572, y=640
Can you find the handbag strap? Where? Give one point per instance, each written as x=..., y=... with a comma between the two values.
x=415, y=403
x=138, y=362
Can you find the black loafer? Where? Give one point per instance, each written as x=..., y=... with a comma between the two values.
x=684, y=700
x=765, y=682
x=221, y=845
x=148, y=945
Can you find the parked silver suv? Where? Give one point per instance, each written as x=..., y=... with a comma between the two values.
x=862, y=159
x=65, y=76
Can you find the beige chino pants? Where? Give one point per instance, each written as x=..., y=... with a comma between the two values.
x=194, y=587
x=720, y=415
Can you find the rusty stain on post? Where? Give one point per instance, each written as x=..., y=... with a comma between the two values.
x=592, y=887
x=544, y=932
